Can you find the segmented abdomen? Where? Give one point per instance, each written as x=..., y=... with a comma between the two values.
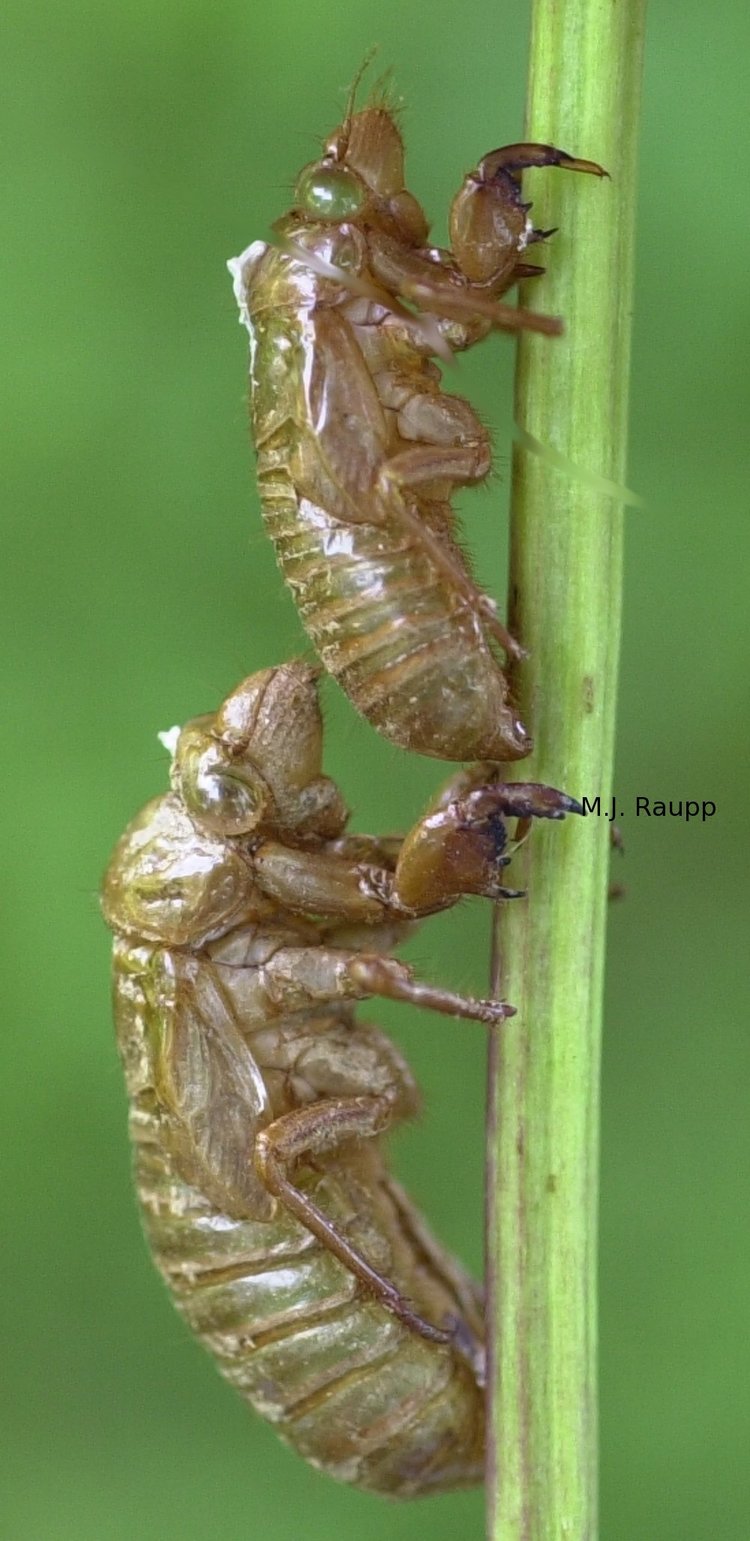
x=413, y=661
x=360, y=1396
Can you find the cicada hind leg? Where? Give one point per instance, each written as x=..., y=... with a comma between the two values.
x=309, y=1132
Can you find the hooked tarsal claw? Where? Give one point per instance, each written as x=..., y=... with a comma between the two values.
x=521, y=799
x=567, y=805
x=551, y=804
x=512, y=159
x=574, y=163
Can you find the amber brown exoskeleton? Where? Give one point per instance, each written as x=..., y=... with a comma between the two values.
x=247, y=925
x=360, y=450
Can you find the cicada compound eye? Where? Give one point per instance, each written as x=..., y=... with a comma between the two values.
x=329, y=192
x=229, y=797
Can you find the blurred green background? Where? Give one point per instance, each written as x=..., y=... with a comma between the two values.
x=150, y=142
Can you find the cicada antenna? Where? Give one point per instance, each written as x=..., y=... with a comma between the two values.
x=351, y=99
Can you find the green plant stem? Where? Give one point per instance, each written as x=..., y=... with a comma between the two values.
x=565, y=601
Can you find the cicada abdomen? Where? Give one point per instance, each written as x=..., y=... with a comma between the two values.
x=343, y=1380
x=247, y=925
x=359, y=450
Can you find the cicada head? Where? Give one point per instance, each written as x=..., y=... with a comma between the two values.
x=256, y=764
x=223, y=791
x=369, y=143
x=360, y=179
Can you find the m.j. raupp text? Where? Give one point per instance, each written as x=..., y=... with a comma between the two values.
x=652, y=808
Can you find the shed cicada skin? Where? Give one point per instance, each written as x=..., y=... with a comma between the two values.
x=359, y=449
x=247, y=925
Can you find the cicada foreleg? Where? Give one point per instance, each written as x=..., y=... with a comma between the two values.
x=461, y=846
x=308, y=1132
x=489, y=220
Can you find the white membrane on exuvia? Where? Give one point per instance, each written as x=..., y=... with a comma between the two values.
x=169, y=739
x=238, y=267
